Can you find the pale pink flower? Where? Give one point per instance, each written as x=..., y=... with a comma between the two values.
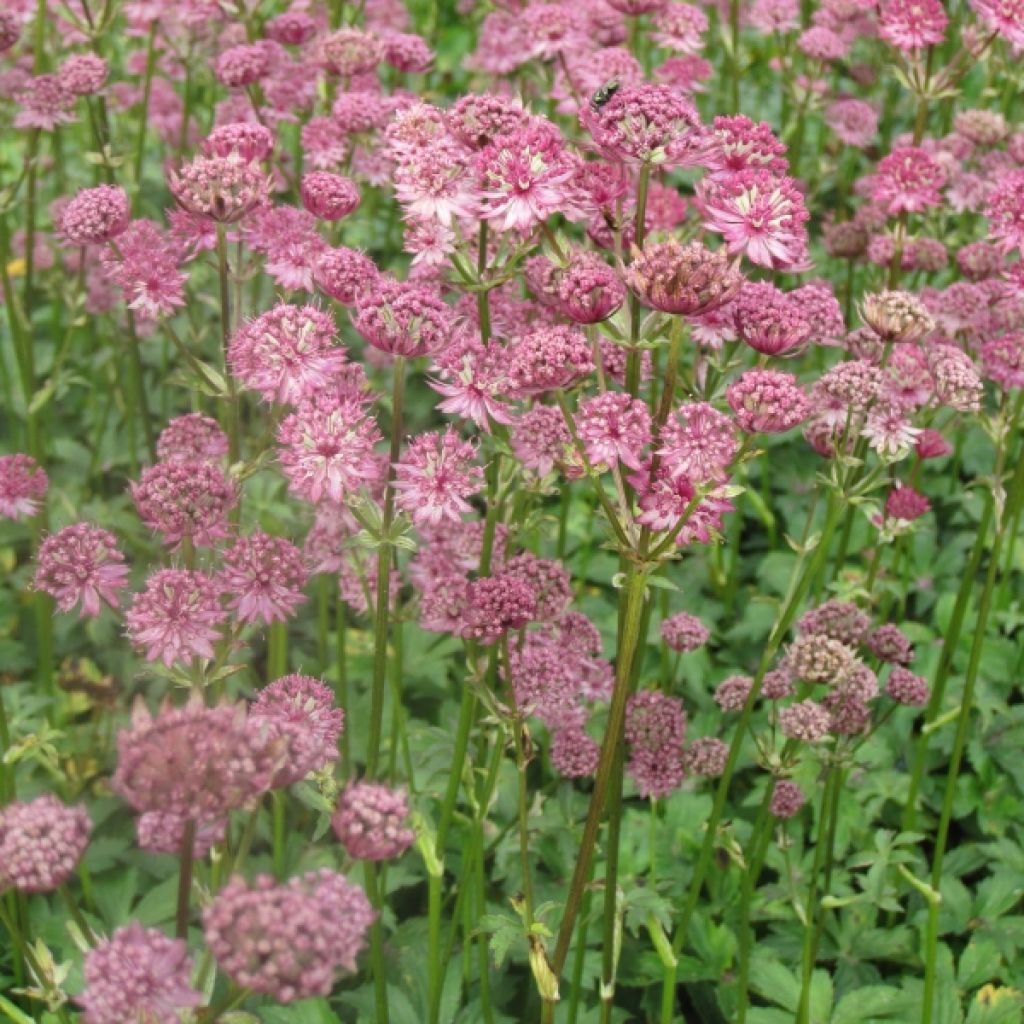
x=435, y=476
x=23, y=484
x=614, y=426
x=81, y=563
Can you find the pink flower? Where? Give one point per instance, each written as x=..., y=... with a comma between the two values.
x=475, y=380
x=679, y=27
x=759, y=214
x=288, y=238
x=223, y=189
x=435, y=476
x=46, y=103
x=344, y=274
x=478, y=118
x=138, y=974
x=766, y=401
x=196, y=762
x=1005, y=212
x=684, y=632
x=523, y=177
x=288, y=941
x=1005, y=17
x=185, y=499
x=549, y=358
x=740, y=144
x=241, y=66
x=371, y=821
x=95, y=215
x=614, y=426
x=245, y=139
x=770, y=321
x=854, y=121
x=81, y=563
x=496, y=604
x=698, y=442
x=908, y=180
x=263, y=577
x=177, y=617
x=574, y=754
x=905, y=503
x=192, y=437
x=350, y=51
x=651, y=124
x=292, y=28
x=146, y=266
x=912, y=25
x=403, y=319
x=588, y=290
x=10, y=30
x=687, y=279
x=326, y=449
x=1003, y=359
x=408, y=53
x=433, y=182
x=23, y=484
x=540, y=439
x=288, y=353
x=41, y=842
x=301, y=711
x=327, y=196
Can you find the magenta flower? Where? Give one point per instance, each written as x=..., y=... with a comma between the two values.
x=46, y=103
x=687, y=279
x=350, y=51
x=95, y=215
x=182, y=499
x=371, y=821
x=289, y=940
x=574, y=754
x=698, y=442
x=403, y=319
x=912, y=25
x=540, y=439
x=192, y=437
x=434, y=183
x=588, y=290
x=523, y=177
x=766, y=401
x=41, y=843
x=548, y=358
x=223, y=189
x=327, y=196
x=138, y=974
x=496, y=604
x=160, y=832
x=478, y=118
x=684, y=632
x=770, y=321
x=326, y=448
x=614, y=426
x=475, y=381
x=1005, y=212
x=301, y=711
x=740, y=144
x=759, y=214
x=263, y=577
x=288, y=353
x=245, y=139
x=81, y=563
x=908, y=180
x=1005, y=17
x=435, y=476
x=177, y=617
x=344, y=274
x=10, y=30
x=854, y=121
x=648, y=124
x=146, y=266
x=242, y=65
x=903, y=502
x=23, y=484
x=195, y=762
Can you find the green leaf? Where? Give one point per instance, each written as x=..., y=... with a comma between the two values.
x=872, y=1002
x=773, y=980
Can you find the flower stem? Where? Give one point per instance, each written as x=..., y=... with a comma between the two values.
x=231, y=412
x=383, y=599
x=633, y=605
x=185, y=856
x=380, y=985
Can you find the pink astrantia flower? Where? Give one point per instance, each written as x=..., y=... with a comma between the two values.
x=767, y=401
x=248, y=140
x=371, y=821
x=908, y=180
x=435, y=476
x=288, y=353
x=81, y=563
x=344, y=274
x=192, y=436
x=614, y=426
x=759, y=214
x=177, y=617
x=854, y=121
x=739, y=144
x=474, y=381
x=549, y=358
x=523, y=177
x=688, y=279
x=327, y=196
x=404, y=319
x=434, y=182
x=95, y=215
x=41, y=842
x=326, y=448
x=1005, y=17
x=1005, y=212
x=698, y=442
x=46, y=103
x=185, y=499
x=288, y=238
x=23, y=486
x=138, y=974
x=912, y=25
x=770, y=321
x=263, y=577
x=223, y=189
x=146, y=266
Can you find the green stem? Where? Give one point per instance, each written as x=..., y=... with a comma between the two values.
x=231, y=412
x=382, y=609
x=186, y=857
x=147, y=90
x=632, y=599
x=380, y=985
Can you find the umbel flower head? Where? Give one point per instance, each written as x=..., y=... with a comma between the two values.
x=41, y=842
x=289, y=940
x=138, y=974
x=327, y=196
x=371, y=821
x=436, y=475
x=221, y=188
x=182, y=499
x=684, y=632
x=896, y=316
x=195, y=762
x=96, y=215
x=243, y=138
x=689, y=279
x=766, y=401
x=81, y=563
x=192, y=437
x=404, y=319
x=23, y=484
x=301, y=711
x=177, y=617
x=263, y=577
x=288, y=353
